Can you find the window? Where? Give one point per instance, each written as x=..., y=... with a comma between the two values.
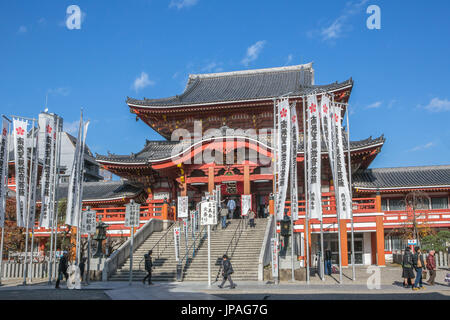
x=384, y=206
x=439, y=203
x=396, y=204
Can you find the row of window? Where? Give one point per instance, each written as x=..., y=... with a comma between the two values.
x=399, y=204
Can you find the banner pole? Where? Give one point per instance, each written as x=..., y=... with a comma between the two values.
x=27, y=224
x=306, y=230
x=209, y=256
x=56, y=184
x=6, y=195
x=351, y=194
x=30, y=274
x=1, y=254
x=275, y=179
x=336, y=190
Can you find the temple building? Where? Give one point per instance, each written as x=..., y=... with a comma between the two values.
x=218, y=134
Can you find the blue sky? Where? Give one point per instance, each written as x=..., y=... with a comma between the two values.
x=147, y=48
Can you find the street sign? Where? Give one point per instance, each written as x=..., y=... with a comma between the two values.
x=246, y=204
x=176, y=237
x=88, y=222
x=412, y=242
x=132, y=214
x=208, y=211
x=183, y=207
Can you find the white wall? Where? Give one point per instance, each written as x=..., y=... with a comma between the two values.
x=367, y=252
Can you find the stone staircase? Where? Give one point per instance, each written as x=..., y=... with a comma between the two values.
x=244, y=258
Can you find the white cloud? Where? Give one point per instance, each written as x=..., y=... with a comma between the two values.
x=212, y=67
x=142, y=81
x=423, y=147
x=180, y=4
x=42, y=21
x=253, y=52
x=62, y=91
x=437, y=105
x=338, y=26
x=289, y=59
x=72, y=127
x=22, y=29
x=374, y=105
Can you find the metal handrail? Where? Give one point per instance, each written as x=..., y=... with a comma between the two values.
x=164, y=236
x=235, y=237
x=185, y=257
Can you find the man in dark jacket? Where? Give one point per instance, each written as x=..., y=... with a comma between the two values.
x=227, y=270
x=407, y=265
x=62, y=269
x=148, y=267
x=327, y=264
x=431, y=266
x=418, y=264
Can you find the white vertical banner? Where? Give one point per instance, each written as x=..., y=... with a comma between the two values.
x=46, y=181
x=183, y=207
x=3, y=170
x=283, y=154
x=294, y=150
x=274, y=249
x=314, y=159
x=33, y=180
x=246, y=204
x=73, y=182
x=20, y=135
x=176, y=239
x=341, y=174
x=327, y=128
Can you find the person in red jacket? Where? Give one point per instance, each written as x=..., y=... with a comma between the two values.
x=431, y=266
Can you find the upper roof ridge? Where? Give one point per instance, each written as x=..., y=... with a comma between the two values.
x=250, y=72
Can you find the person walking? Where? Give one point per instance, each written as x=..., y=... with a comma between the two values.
x=431, y=266
x=327, y=261
x=231, y=204
x=251, y=218
x=148, y=267
x=82, y=267
x=418, y=265
x=62, y=269
x=266, y=211
x=407, y=268
x=227, y=271
x=224, y=214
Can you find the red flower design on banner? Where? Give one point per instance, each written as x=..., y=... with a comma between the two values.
x=294, y=118
x=336, y=118
x=20, y=131
x=4, y=131
x=312, y=108
x=176, y=232
x=283, y=113
x=325, y=108
x=49, y=129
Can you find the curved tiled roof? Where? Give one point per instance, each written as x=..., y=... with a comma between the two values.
x=241, y=86
x=101, y=190
x=403, y=177
x=159, y=150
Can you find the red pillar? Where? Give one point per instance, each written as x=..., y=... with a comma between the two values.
x=344, y=249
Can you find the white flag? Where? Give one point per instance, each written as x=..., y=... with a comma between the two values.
x=314, y=159
x=3, y=170
x=20, y=135
x=73, y=182
x=294, y=150
x=327, y=129
x=47, y=125
x=343, y=195
x=283, y=154
x=33, y=181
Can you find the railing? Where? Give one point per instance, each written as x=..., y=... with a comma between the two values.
x=159, y=242
x=234, y=240
x=151, y=211
x=14, y=270
x=393, y=219
x=265, y=253
x=359, y=205
x=441, y=258
x=180, y=267
x=118, y=257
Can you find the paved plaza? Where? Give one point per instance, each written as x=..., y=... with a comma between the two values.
x=390, y=289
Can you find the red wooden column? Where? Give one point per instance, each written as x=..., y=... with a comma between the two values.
x=210, y=179
x=380, y=241
x=344, y=249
